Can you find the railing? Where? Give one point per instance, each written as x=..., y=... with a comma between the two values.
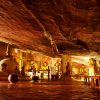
x=89, y=80
x=92, y=80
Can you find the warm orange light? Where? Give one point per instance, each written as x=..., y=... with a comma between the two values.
x=91, y=71
x=16, y=50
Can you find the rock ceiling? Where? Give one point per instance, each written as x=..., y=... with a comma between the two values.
x=51, y=26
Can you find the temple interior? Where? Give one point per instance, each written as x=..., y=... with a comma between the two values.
x=50, y=36
x=50, y=40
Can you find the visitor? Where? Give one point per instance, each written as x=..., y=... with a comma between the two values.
x=22, y=71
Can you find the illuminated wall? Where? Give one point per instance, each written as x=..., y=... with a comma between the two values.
x=40, y=61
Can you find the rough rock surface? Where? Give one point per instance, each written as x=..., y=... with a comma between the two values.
x=51, y=26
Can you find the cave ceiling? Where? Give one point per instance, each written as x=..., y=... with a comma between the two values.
x=51, y=26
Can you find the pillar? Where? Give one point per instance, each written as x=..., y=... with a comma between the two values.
x=65, y=65
x=20, y=60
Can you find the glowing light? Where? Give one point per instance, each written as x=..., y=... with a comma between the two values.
x=74, y=71
x=81, y=59
x=91, y=71
x=30, y=74
x=16, y=50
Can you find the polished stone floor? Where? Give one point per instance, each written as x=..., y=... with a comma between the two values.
x=44, y=90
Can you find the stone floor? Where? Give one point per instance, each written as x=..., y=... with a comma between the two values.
x=48, y=90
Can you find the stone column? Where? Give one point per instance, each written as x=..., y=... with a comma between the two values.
x=9, y=50
x=65, y=65
x=20, y=60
